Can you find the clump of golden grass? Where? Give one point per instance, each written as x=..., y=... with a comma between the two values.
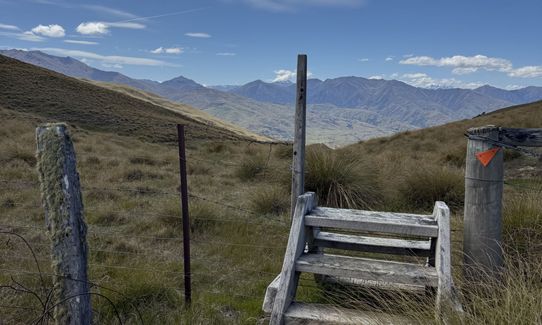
x=251, y=167
x=427, y=184
x=270, y=200
x=341, y=180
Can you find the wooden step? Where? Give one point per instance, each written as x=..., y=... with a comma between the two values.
x=373, y=244
x=367, y=269
x=302, y=313
x=371, y=221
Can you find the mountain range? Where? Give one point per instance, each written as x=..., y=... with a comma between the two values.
x=341, y=110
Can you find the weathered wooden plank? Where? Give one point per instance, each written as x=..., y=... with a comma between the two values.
x=521, y=137
x=319, y=314
x=446, y=300
x=298, y=162
x=289, y=277
x=270, y=294
x=373, y=244
x=368, y=269
x=371, y=221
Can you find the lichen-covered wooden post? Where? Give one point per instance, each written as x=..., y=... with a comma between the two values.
x=62, y=201
x=483, y=203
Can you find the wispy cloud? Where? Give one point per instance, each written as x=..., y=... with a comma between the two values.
x=102, y=28
x=170, y=50
x=527, y=72
x=425, y=81
x=363, y=60
x=198, y=35
x=226, y=54
x=9, y=27
x=388, y=59
x=54, y=30
x=23, y=36
x=292, y=5
x=469, y=64
x=71, y=41
x=110, y=11
x=107, y=59
x=115, y=66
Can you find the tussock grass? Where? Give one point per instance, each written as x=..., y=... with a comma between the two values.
x=341, y=180
x=270, y=200
x=425, y=185
x=251, y=167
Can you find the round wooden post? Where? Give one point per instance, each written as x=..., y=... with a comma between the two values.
x=62, y=200
x=483, y=204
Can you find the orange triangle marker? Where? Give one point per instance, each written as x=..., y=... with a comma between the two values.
x=485, y=157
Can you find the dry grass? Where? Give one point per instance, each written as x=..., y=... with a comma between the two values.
x=131, y=204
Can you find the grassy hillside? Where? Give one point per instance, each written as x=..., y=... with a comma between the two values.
x=30, y=89
x=239, y=203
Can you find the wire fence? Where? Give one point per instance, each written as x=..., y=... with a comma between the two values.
x=155, y=257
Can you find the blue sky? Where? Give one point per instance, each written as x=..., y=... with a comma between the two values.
x=460, y=43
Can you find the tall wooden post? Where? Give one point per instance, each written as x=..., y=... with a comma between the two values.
x=483, y=204
x=61, y=197
x=298, y=163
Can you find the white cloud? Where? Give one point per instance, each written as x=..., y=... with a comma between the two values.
x=107, y=59
x=102, y=28
x=376, y=77
x=462, y=64
x=9, y=27
x=226, y=54
x=469, y=64
x=92, y=28
x=527, y=72
x=53, y=30
x=171, y=50
x=292, y=5
x=389, y=58
x=363, y=60
x=424, y=81
x=285, y=75
x=198, y=35
x=71, y=41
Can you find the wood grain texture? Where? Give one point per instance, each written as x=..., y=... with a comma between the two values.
x=371, y=221
x=298, y=163
x=270, y=294
x=62, y=201
x=289, y=276
x=373, y=244
x=483, y=207
x=367, y=269
x=443, y=257
x=319, y=314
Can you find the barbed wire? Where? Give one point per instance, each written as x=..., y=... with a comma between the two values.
x=503, y=144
